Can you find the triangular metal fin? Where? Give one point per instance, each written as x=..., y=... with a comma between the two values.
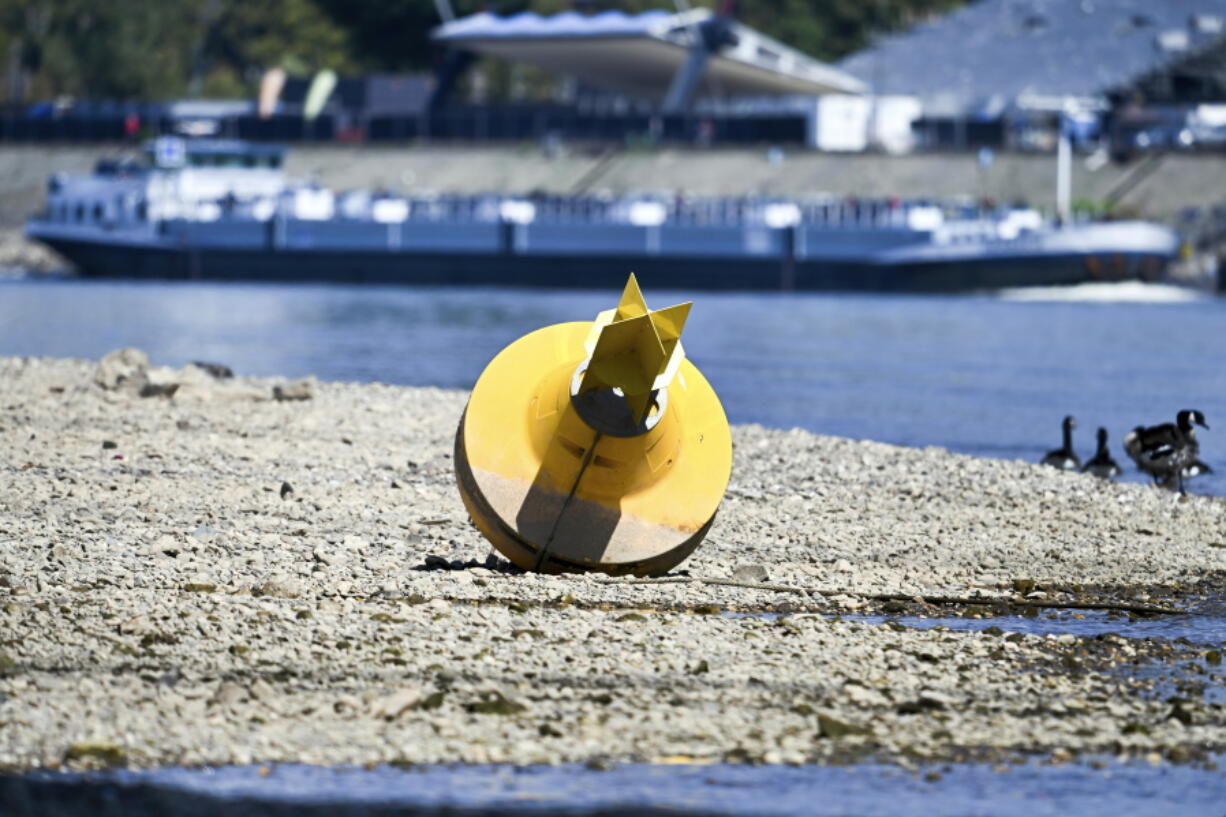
x=634, y=349
x=628, y=355
x=669, y=323
x=632, y=303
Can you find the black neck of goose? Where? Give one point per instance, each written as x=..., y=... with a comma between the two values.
x=1068, y=437
x=1102, y=445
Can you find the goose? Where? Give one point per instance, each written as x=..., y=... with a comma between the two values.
x=1196, y=468
x=1101, y=464
x=1169, y=451
x=1065, y=458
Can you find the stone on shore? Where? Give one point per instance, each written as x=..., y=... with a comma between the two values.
x=123, y=368
x=297, y=390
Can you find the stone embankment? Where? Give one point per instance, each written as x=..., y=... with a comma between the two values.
x=205, y=570
x=1158, y=190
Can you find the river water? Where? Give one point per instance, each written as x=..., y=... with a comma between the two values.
x=990, y=375
x=1028, y=790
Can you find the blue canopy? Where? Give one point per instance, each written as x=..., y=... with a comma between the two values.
x=568, y=24
x=640, y=54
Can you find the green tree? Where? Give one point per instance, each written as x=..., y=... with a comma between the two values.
x=124, y=48
x=247, y=38
x=153, y=49
x=394, y=35
x=156, y=49
x=831, y=29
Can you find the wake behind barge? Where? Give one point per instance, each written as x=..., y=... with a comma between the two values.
x=223, y=210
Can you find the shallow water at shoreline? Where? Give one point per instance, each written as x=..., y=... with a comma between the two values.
x=977, y=374
x=1030, y=789
x=1205, y=627
x=1196, y=628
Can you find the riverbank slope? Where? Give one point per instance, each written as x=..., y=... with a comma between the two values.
x=1155, y=190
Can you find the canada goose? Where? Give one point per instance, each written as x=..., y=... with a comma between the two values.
x=1065, y=458
x=1101, y=464
x=1196, y=468
x=1169, y=451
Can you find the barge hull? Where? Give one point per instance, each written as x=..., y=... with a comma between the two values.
x=591, y=271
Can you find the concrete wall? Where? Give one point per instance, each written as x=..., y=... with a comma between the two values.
x=1176, y=181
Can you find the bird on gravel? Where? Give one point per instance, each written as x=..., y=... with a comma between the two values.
x=1065, y=458
x=1168, y=452
x=1101, y=464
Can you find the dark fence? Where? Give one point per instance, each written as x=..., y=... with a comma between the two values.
x=960, y=134
x=282, y=129
x=115, y=129
x=27, y=129
x=492, y=124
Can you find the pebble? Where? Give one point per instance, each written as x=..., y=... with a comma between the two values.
x=750, y=573
x=296, y=390
x=123, y=368
x=392, y=706
x=325, y=555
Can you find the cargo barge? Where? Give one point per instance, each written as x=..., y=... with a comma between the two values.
x=221, y=210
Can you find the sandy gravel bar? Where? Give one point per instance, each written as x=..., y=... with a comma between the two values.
x=165, y=600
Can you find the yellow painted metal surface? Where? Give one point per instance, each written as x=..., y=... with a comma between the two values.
x=632, y=348
x=554, y=493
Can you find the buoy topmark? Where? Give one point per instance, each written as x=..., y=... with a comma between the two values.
x=595, y=445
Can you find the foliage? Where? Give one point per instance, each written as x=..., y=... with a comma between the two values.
x=830, y=29
x=79, y=46
x=157, y=49
x=248, y=38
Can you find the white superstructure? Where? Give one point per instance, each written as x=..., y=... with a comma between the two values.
x=191, y=180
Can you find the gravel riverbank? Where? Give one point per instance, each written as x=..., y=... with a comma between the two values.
x=207, y=574
x=20, y=254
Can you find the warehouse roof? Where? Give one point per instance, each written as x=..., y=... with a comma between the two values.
x=997, y=52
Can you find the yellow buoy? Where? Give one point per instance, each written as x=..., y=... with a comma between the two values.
x=595, y=445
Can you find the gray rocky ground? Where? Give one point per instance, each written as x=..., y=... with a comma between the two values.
x=207, y=574
x=19, y=254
